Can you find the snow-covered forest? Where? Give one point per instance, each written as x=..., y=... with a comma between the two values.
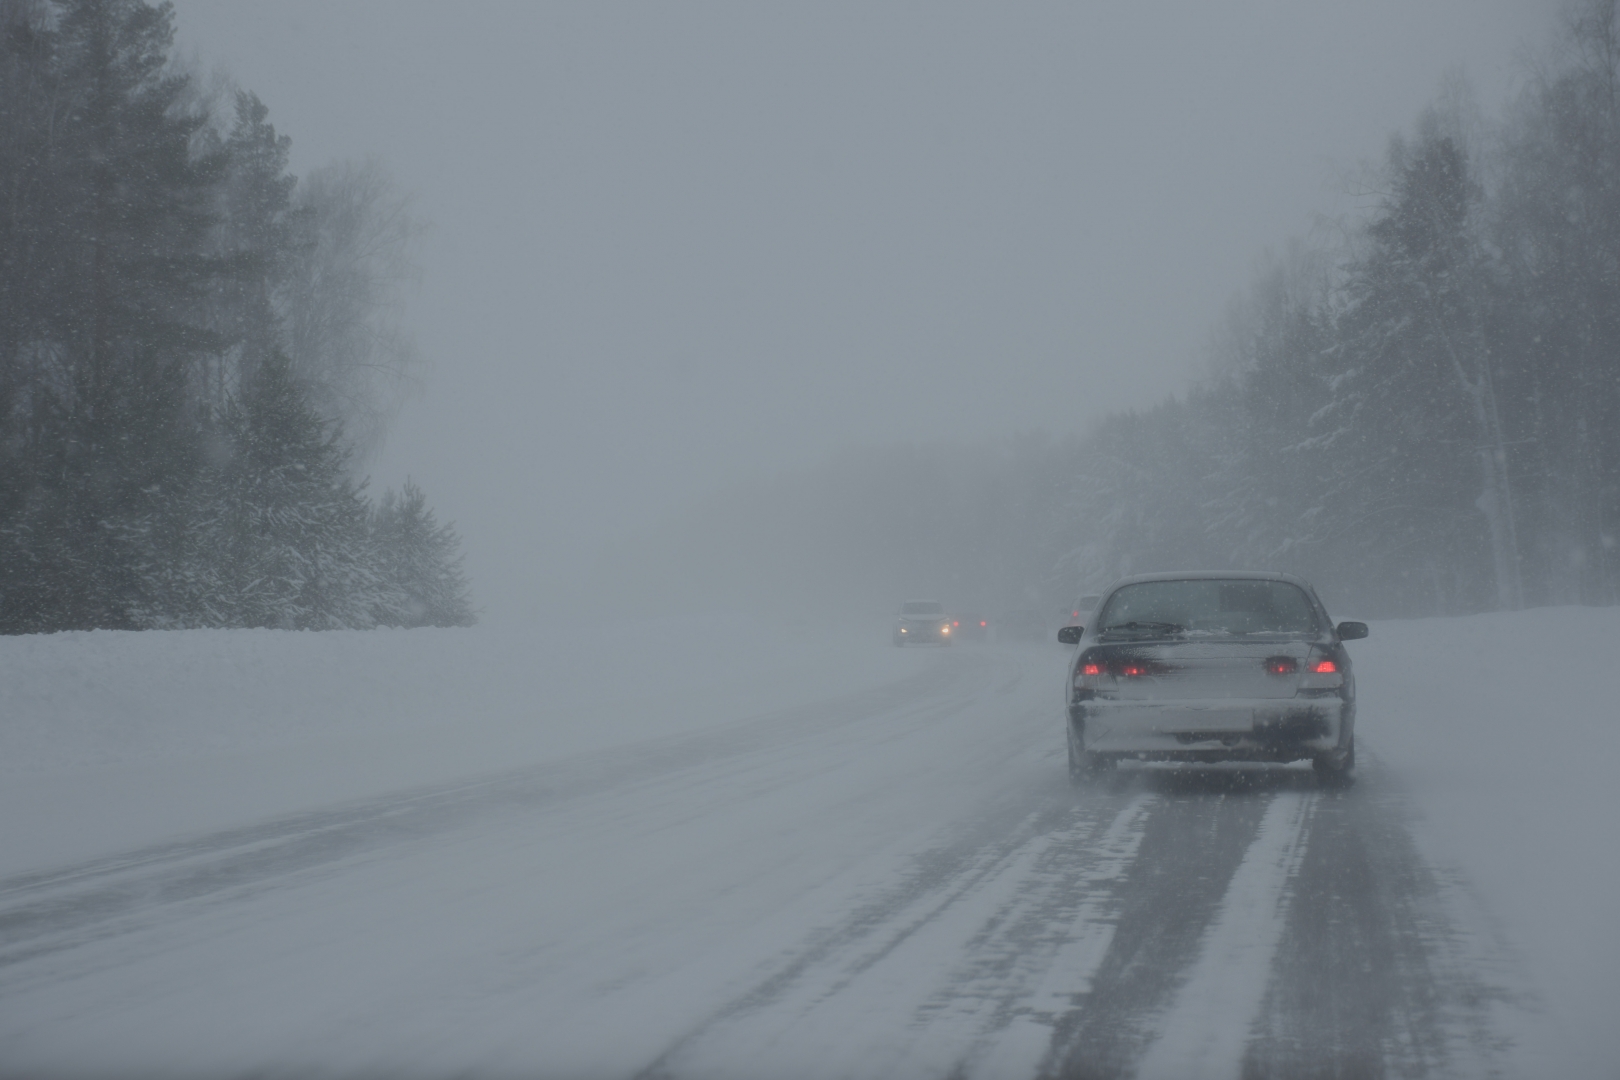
x=1417, y=408
x=196, y=350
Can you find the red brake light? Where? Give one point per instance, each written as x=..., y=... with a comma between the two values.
x=1324, y=667
x=1091, y=669
x=956, y=622
x=1133, y=669
x=983, y=623
x=1282, y=665
x=1075, y=614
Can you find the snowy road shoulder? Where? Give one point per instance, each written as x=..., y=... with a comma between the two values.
x=1500, y=729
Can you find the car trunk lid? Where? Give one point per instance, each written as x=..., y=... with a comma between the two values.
x=1188, y=671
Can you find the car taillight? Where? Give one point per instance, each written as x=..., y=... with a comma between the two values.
x=1282, y=665
x=1094, y=672
x=983, y=623
x=1323, y=674
x=956, y=622
x=1087, y=676
x=1097, y=668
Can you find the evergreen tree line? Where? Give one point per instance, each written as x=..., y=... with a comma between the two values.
x=1421, y=413
x=1425, y=415
x=187, y=335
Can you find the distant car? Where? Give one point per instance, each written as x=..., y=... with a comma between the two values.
x=922, y=622
x=1077, y=612
x=969, y=627
x=1212, y=667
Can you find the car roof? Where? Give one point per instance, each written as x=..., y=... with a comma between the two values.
x=1213, y=575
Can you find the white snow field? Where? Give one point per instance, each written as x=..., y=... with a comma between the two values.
x=725, y=848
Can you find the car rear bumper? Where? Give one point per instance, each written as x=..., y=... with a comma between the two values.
x=1229, y=730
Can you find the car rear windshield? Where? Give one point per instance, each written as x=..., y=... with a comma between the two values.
x=922, y=607
x=1207, y=607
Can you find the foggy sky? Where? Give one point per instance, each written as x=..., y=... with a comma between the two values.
x=676, y=245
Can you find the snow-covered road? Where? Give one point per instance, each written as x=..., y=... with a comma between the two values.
x=894, y=881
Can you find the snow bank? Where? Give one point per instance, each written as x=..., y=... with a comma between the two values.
x=1505, y=732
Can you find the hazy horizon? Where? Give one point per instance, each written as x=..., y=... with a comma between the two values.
x=676, y=248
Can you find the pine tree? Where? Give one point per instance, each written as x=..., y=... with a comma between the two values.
x=118, y=219
x=279, y=532
x=420, y=563
x=1557, y=222
x=1425, y=465
x=162, y=461
x=258, y=236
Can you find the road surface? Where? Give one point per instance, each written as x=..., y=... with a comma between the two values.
x=895, y=882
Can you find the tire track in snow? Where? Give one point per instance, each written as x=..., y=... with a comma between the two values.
x=934, y=968
x=1206, y=1028
x=1194, y=841
x=1373, y=974
x=45, y=912
x=1025, y=1021
x=1321, y=945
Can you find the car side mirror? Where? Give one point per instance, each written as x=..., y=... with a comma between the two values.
x=1351, y=631
x=1070, y=635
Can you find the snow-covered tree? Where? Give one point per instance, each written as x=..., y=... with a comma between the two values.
x=162, y=460
x=419, y=562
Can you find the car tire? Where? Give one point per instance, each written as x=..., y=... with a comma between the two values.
x=1084, y=766
x=1337, y=769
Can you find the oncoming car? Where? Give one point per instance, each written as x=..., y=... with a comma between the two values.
x=922, y=621
x=1211, y=667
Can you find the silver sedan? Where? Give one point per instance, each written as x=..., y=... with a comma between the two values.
x=1212, y=667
